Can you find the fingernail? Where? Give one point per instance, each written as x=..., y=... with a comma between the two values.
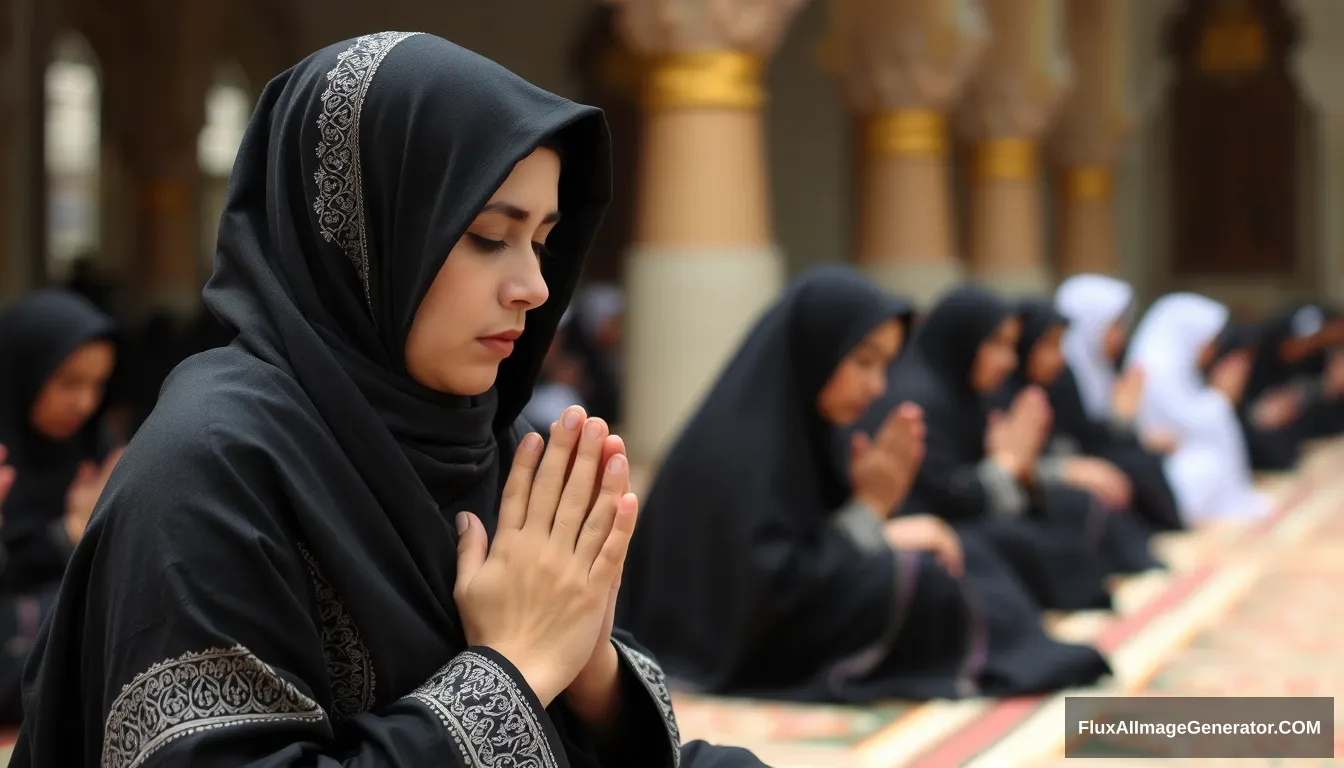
x=462, y=523
x=531, y=442
x=593, y=430
x=616, y=464
x=571, y=418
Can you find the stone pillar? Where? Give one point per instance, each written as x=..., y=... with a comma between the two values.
x=1007, y=109
x=1087, y=136
x=1318, y=64
x=900, y=65
x=153, y=109
x=704, y=262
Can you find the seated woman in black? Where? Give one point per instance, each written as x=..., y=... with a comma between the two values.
x=766, y=564
x=1288, y=399
x=980, y=466
x=57, y=354
x=331, y=543
x=1122, y=535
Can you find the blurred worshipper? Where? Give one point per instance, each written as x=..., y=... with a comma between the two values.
x=337, y=523
x=1192, y=395
x=1122, y=534
x=559, y=384
x=594, y=338
x=56, y=355
x=1283, y=406
x=767, y=562
x=88, y=280
x=980, y=470
x=1094, y=411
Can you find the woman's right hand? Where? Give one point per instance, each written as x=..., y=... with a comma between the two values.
x=540, y=595
x=82, y=496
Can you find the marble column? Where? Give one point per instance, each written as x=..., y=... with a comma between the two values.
x=1088, y=135
x=1006, y=111
x=900, y=65
x=704, y=263
x=1319, y=63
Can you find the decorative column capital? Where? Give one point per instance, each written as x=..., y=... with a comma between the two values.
x=1024, y=73
x=895, y=56
x=657, y=28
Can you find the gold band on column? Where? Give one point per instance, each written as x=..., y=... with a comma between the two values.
x=906, y=133
x=1006, y=159
x=704, y=80
x=1087, y=183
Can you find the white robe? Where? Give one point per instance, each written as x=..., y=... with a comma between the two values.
x=1092, y=303
x=1210, y=471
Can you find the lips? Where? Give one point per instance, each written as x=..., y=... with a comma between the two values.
x=500, y=343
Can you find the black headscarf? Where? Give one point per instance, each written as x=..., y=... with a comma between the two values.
x=1038, y=316
x=327, y=300
x=752, y=481
x=935, y=373
x=37, y=334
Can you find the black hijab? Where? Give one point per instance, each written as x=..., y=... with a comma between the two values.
x=322, y=197
x=752, y=481
x=37, y=334
x=1038, y=316
x=360, y=169
x=935, y=373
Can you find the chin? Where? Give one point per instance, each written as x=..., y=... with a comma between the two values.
x=471, y=383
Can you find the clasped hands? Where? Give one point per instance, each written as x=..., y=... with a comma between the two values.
x=543, y=593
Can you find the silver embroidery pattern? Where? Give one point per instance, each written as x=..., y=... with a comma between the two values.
x=349, y=664
x=340, y=192
x=651, y=675
x=217, y=688
x=489, y=717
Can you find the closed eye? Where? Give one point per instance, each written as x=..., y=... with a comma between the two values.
x=486, y=244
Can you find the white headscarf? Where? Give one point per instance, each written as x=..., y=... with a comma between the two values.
x=1092, y=303
x=1210, y=471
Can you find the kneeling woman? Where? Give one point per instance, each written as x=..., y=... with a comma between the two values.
x=765, y=564
x=332, y=543
x=980, y=469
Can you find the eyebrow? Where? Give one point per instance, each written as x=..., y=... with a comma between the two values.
x=518, y=214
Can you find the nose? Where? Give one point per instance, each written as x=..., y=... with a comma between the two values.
x=525, y=287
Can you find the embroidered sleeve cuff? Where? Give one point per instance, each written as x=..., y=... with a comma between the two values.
x=490, y=713
x=860, y=525
x=1050, y=470
x=651, y=676
x=1006, y=498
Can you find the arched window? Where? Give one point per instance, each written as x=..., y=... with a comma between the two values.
x=73, y=143
x=228, y=105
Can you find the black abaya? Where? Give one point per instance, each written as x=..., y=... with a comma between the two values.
x=1119, y=535
x=754, y=573
x=1058, y=563
x=268, y=579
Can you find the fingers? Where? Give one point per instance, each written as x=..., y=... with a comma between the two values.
x=598, y=524
x=6, y=481
x=518, y=486
x=550, y=479
x=472, y=546
x=110, y=463
x=576, y=501
x=610, y=447
x=88, y=472
x=611, y=559
x=950, y=555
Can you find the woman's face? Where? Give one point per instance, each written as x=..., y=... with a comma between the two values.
x=861, y=376
x=1046, y=361
x=997, y=357
x=70, y=397
x=477, y=304
x=1113, y=343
